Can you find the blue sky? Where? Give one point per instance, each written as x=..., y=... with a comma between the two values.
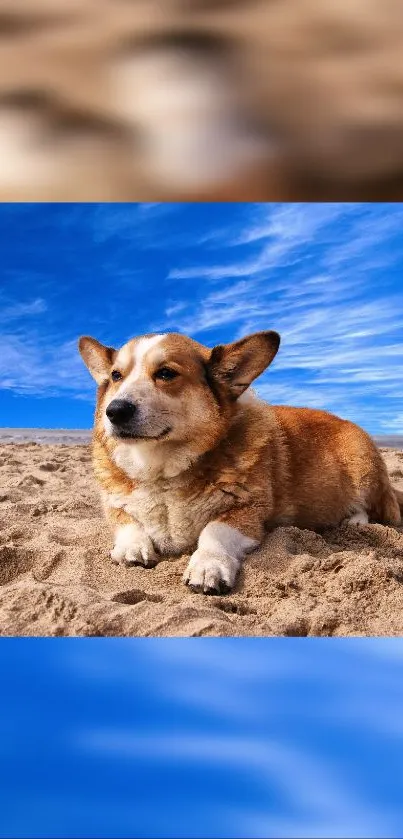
x=328, y=277
x=201, y=738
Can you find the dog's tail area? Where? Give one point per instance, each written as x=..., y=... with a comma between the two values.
x=399, y=498
x=389, y=506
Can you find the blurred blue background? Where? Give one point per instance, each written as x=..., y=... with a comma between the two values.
x=201, y=738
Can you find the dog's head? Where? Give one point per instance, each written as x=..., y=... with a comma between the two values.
x=170, y=388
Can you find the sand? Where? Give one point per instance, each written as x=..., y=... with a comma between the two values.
x=56, y=577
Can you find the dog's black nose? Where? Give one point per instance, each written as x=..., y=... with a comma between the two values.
x=120, y=411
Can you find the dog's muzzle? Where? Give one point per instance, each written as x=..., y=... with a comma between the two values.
x=120, y=412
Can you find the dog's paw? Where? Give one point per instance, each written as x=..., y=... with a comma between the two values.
x=358, y=515
x=211, y=573
x=133, y=547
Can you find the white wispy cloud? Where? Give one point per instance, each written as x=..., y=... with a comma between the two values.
x=291, y=223
x=369, y=232
x=133, y=225
x=14, y=311
x=280, y=229
x=393, y=423
x=33, y=367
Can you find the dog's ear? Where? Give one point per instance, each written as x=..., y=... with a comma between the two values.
x=236, y=365
x=97, y=358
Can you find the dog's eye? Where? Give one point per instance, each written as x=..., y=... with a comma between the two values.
x=115, y=375
x=165, y=374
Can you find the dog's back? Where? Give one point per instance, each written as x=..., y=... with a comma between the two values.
x=330, y=460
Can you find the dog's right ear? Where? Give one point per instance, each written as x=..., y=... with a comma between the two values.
x=97, y=358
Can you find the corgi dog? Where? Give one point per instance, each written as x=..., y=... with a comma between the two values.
x=190, y=461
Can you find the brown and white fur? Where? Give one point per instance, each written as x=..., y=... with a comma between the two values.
x=202, y=465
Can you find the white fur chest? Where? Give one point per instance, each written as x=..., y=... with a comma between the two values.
x=171, y=520
x=164, y=502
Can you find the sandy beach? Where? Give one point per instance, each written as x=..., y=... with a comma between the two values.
x=56, y=577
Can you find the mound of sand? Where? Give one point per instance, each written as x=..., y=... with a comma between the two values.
x=56, y=577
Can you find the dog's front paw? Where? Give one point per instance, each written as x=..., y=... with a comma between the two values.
x=133, y=547
x=211, y=573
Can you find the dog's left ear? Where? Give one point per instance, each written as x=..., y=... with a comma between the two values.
x=97, y=358
x=236, y=365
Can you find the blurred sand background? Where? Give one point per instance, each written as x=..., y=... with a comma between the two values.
x=56, y=577
x=323, y=79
